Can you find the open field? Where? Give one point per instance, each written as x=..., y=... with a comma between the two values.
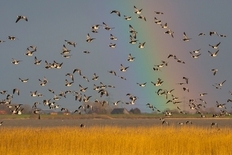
x=116, y=135
x=97, y=140
x=107, y=120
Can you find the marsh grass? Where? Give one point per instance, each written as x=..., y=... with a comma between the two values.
x=115, y=140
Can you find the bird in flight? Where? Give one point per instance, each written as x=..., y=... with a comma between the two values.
x=21, y=17
x=215, y=46
x=116, y=12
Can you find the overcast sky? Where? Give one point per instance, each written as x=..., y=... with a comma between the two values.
x=50, y=23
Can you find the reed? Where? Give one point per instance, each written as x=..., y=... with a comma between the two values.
x=186, y=140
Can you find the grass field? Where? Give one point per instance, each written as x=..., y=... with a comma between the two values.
x=186, y=140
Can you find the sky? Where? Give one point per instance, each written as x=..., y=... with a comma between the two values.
x=50, y=23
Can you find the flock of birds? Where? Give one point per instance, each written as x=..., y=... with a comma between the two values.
x=103, y=89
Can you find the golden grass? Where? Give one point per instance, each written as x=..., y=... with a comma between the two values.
x=110, y=140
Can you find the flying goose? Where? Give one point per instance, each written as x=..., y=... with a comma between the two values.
x=214, y=70
x=67, y=83
x=201, y=34
x=29, y=53
x=36, y=61
x=12, y=38
x=213, y=54
x=112, y=37
x=95, y=77
x=141, y=45
x=130, y=58
x=142, y=84
x=123, y=69
x=21, y=17
x=82, y=89
x=157, y=21
x=89, y=39
x=111, y=45
x=70, y=43
x=127, y=17
x=94, y=28
x=185, y=37
x=158, y=12
x=112, y=72
x=103, y=92
x=24, y=80
x=203, y=94
x=186, y=79
x=33, y=94
x=170, y=32
x=142, y=17
x=164, y=26
x=16, y=91
x=70, y=75
x=15, y=62
x=158, y=82
x=86, y=98
x=137, y=11
x=215, y=46
x=106, y=27
x=213, y=33
x=78, y=71
x=195, y=56
x=116, y=12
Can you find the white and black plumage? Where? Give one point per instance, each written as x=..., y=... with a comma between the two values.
x=137, y=11
x=21, y=17
x=113, y=72
x=116, y=12
x=195, y=56
x=112, y=37
x=157, y=21
x=86, y=98
x=24, y=80
x=170, y=32
x=106, y=27
x=82, y=89
x=142, y=84
x=12, y=38
x=158, y=12
x=142, y=45
x=213, y=54
x=78, y=71
x=95, y=77
x=185, y=37
x=67, y=83
x=214, y=70
x=123, y=68
x=94, y=28
x=36, y=61
x=103, y=92
x=158, y=82
x=142, y=17
x=16, y=91
x=186, y=79
x=70, y=75
x=15, y=62
x=70, y=43
x=89, y=39
x=215, y=46
x=127, y=17
x=130, y=58
x=111, y=45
